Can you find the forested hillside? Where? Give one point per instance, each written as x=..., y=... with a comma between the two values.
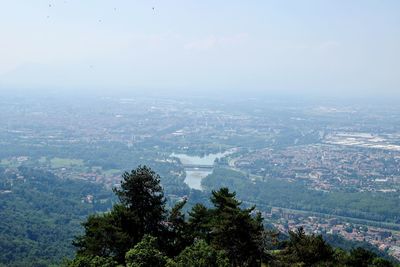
x=40, y=214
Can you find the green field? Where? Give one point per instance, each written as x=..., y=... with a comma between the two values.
x=65, y=162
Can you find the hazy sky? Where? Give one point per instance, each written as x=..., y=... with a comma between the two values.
x=321, y=46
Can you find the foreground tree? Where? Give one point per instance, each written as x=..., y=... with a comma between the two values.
x=360, y=257
x=146, y=254
x=106, y=234
x=142, y=194
x=235, y=230
x=229, y=228
x=178, y=236
x=308, y=250
x=199, y=222
x=141, y=211
x=87, y=261
x=200, y=254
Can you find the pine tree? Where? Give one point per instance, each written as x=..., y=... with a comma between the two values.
x=199, y=222
x=235, y=230
x=307, y=249
x=142, y=194
x=141, y=211
x=105, y=235
x=177, y=236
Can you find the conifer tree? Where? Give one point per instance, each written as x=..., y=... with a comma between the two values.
x=142, y=194
x=235, y=230
x=141, y=211
x=199, y=222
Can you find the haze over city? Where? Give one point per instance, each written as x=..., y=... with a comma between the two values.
x=340, y=48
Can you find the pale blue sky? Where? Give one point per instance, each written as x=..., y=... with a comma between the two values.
x=302, y=46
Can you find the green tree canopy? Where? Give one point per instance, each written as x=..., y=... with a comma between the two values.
x=143, y=195
x=199, y=222
x=88, y=261
x=306, y=249
x=106, y=235
x=229, y=228
x=145, y=254
x=177, y=236
x=141, y=211
x=200, y=254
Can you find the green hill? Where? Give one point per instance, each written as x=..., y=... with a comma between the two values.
x=40, y=214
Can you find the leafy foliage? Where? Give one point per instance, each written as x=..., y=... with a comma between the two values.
x=41, y=213
x=307, y=249
x=200, y=254
x=88, y=261
x=145, y=254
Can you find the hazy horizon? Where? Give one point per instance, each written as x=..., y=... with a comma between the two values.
x=308, y=48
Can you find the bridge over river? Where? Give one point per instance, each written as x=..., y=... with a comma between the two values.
x=195, y=167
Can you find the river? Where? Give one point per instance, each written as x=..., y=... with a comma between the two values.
x=195, y=175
